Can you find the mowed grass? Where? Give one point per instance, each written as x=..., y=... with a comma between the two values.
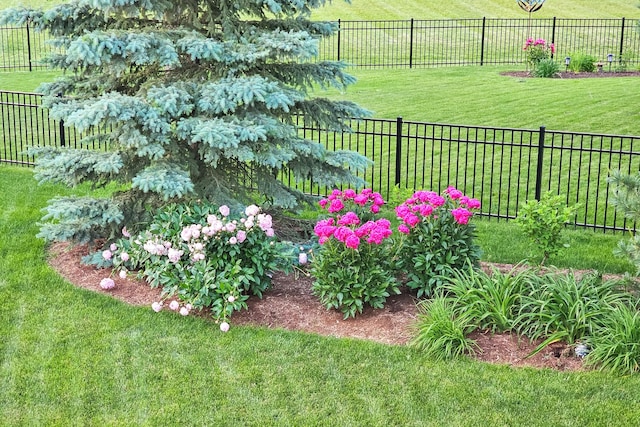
x=425, y=9
x=481, y=96
x=69, y=355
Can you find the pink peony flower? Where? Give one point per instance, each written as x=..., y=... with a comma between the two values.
x=349, y=194
x=252, y=210
x=174, y=305
x=107, y=283
x=269, y=232
x=403, y=229
x=156, y=306
x=224, y=210
x=454, y=193
x=323, y=203
x=113, y=247
x=174, y=255
x=473, y=204
x=122, y=274
x=302, y=258
x=224, y=326
x=125, y=232
x=233, y=240
x=352, y=241
x=336, y=206
x=184, y=311
x=231, y=298
x=107, y=254
x=241, y=236
x=124, y=256
x=361, y=199
x=375, y=209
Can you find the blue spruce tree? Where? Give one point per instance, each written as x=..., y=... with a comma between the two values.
x=190, y=98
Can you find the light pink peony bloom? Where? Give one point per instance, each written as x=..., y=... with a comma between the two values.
x=174, y=305
x=125, y=233
x=124, y=256
x=302, y=258
x=269, y=232
x=107, y=254
x=156, y=306
x=233, y=240
x=189, y=307
x=122, y=274
x=113, y=247
x=184, y=311
x=231, y=298
x=252, y=210
x=107, y=283
x=174, y=255
x=224, y=210
x=241, y=236
x=224, y=326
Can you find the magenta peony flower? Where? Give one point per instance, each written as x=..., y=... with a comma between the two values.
x=403, y=229
x=336, y=206
x=224, y=326
x=352, y=241
x=349, y=193
x=107, y=283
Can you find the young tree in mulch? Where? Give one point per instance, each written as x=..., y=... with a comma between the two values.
x=192, y=99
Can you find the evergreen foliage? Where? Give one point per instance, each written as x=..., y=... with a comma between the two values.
x=194, y=99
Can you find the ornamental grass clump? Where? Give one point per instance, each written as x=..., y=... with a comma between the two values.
x=202, y=256
x=438, y=237
x=353, y=266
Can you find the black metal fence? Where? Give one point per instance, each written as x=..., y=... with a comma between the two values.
x=449, y=42
x=419, y=43
x=502, y=167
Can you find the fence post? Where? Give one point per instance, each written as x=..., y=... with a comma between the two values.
x=398, y=149
x=29, y=47
x=338, y=40
x=539, y=165
x=553, y=34
x=411, y=45
x=621, y=41
x=61, y=131
x=484, y=24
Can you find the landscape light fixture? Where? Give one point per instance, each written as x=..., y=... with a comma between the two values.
x=567, y=61
x=610, y=60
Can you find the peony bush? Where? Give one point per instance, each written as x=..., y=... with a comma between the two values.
x=353, y=267
x=438, y=237
x=203, y=256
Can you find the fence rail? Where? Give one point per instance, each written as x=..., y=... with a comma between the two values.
x=418, y=43
x=502, y=167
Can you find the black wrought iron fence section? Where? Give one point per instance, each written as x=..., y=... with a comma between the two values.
x=451, y=42
x=417, y=43
x=502, y=167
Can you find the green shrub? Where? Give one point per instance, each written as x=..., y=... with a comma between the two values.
x=542, y=221
x=438, y=237
x=566, y=306
x=442, y=333
x=582, y=63
x=353, y=265
x=491, y=300
x=546, y=68
x=616, y=343
x=202, y=255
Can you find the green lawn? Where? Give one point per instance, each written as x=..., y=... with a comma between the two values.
x=69, y=355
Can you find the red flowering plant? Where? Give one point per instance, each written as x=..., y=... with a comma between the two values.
x=438, y=237
x=352, y=267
